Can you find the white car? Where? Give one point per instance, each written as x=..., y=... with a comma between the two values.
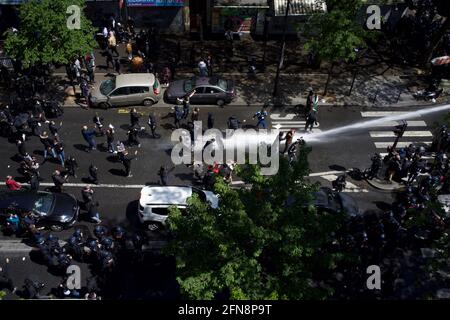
x=155, y=201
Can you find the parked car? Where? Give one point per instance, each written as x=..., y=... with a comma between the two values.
x=155, y=201
x=126, y=90
x=329, y=201
x=208, y=90
x=56, y=211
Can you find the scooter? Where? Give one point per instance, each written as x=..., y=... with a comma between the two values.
x=431, y=93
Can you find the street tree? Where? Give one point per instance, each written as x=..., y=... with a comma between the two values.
x=48, y=34
x=265, y=242
x=336, y=35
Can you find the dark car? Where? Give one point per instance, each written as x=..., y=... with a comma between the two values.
x=56, y=211
x=208, y=90
x=335, y=202
x=329, y=201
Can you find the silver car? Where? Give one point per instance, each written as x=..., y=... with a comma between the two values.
x=126, y=90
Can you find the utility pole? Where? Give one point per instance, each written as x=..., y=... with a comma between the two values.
x=280, y=62
x=399, y=131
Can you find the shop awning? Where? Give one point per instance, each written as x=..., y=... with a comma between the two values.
x=299, y=7
x=155, y=3
x=241, y=4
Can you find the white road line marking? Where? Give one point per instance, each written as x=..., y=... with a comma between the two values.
x=288, y=122
x=401, y=144
x=350, y=187
x=319, y=174
x=277, y=116
x=385, y=134
x=395, y=123
x=368, y=114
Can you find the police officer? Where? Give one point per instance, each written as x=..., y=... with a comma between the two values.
x=133, y=136
x=261, y=116
x=177, y=116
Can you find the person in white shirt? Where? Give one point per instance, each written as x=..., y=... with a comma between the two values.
x=203, y=68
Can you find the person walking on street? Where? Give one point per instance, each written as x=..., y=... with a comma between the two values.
x=177, y=116
x=48, y=145
x=93, y=213
x=98, y=121
x=152, y=124
x=288, y=138
x=133, y=136
x=90, y=67
x=59, y=148
x=210, y=120
x=209, y=64
x=34, y=124
x=110, y=138
x=134, y=117
x=22, y=151
x=71, y=165
x=112, y=43
x=54, y=129
x=233, y=123
x=309, y=100
x=87, y=194
x=195, y=115
x=117, y=65
x=34, y=182
x=12, y=184
x=203, y=68
x=163, y=174
x=186, y=104
x=129, y=50
x=311, y=119
x=126, y=159
x=109, y=58
x=58, y=180
x=88, y=135
x=85, y=91
x=261, y=115
x=93, y=177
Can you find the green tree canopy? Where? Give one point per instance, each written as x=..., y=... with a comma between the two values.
x=265, y=242
x=43, y=35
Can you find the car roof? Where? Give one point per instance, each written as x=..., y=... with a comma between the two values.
x=135, y=79
x=206, y=81
x=165, y=195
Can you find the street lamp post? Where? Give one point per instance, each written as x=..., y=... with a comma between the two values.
x=283, y=46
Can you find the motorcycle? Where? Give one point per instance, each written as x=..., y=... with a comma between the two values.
x=430, y=93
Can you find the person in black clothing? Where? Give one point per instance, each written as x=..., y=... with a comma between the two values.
x=126, y=159
x=134, y=117
x=34, y=125
x=58, y=180
x=133, y=136
x=110, y=138
x=177, y=116
x=117, y=65
x=53, y=128
x=109, y=58
x=48, y=145
x=5, y=280
x=34, y=182
x=210, y=120
x=22, y=150
x=163, y=174
x=233, y=122
x=87, y=195
x=152, y=124
x=93, y=177
x=70, y=165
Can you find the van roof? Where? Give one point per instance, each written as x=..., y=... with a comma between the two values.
x=165, y=195
x=135, y=79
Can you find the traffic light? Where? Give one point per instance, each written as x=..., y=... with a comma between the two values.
x=400, y=129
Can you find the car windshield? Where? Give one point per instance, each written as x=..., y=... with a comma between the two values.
x=107, y=86
x=43, y=204
x=222, y=84
x=188, y=85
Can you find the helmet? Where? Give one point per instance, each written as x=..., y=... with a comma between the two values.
x=107, y=242
x=100, y=231
x=52, y=238
x=77, y=233
x=72, y=241
x=118, y=232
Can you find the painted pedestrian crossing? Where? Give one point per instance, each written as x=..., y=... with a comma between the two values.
x=286, y=122
x=383, y=136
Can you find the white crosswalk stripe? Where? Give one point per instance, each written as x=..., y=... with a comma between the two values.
x=430, y=157
x=391, y=134
x=350, y=187
x=285, y=123
x=384, y=136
